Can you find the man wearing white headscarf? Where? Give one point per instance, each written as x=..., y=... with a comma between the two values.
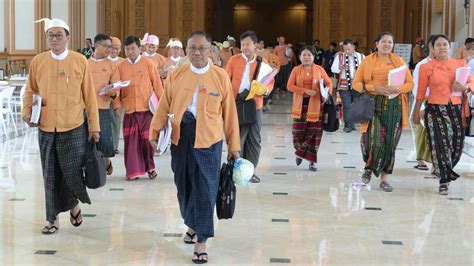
x=176, y=48
x=62, y=78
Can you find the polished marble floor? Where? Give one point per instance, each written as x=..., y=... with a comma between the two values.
x=293, y=216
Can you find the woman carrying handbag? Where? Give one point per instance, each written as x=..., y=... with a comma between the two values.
x=381, y=134
x=307, y=111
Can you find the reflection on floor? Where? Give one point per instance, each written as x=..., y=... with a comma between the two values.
x=294, y=216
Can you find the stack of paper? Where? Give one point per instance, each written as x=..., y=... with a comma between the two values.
x=462, y=73
x=164, y=138
x=18, y=78
x=269, y=77
x=114, y=86
x=153, y=102
x=36, y=109
x=266, y=73
x=396, y=78
x=324, y=90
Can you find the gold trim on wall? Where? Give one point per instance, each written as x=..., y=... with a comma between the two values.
x=439, y=6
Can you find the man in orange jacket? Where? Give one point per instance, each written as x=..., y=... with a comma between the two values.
x=241, y=69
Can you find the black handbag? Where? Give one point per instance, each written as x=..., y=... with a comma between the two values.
x=330, y=119
x=362, y=109
x=94, y=168
x=247, y=110
x=226, y=195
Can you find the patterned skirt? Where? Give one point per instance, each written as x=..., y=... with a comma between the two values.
x=196, y=175
x=62, y=159
x=446, y=138
x=138, y=152
x=380, y=141
x=307, y=135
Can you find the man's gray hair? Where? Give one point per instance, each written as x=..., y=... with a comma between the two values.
x=200, y=34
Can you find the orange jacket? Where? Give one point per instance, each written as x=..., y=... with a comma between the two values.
x=216, y=115
x=235, y=68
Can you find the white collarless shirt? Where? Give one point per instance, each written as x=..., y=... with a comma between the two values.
x=136, y=60
x=96, y=60
x=61, y=56
x=245, y=83
x=192, y=107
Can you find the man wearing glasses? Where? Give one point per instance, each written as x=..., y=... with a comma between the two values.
x=144, y=81
x=104, y=73
x=199, y=95
x=63, y=80
x=114, y=57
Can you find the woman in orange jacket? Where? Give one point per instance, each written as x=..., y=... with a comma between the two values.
x=307, y=106
x=443, y=113
x=380, y=136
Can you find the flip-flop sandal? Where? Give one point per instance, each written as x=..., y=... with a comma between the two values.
x=49, y=230
x=200, y=260
x=366, y=176
x=191, y=237
x=443, y=189
x=421, y=167
x=385, y=186
x=74, y=219
x=152, y=175
x=110, y=168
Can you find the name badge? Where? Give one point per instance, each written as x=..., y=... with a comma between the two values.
x=202, y=88
x=61, y=73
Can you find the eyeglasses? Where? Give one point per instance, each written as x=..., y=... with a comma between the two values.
x=104, y=45
x=57, y=36
x=203, y=49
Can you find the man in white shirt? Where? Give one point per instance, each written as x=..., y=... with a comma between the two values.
x=242, y=68
x=345, y=64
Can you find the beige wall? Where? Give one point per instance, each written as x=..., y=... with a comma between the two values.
x=22, y=38
x=23, y=25
x=90, y=13
x=451, y=21
x=3, y=26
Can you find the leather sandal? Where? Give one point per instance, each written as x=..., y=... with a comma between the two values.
x=110, y=168
x=152, y=175
x=255, y=179
x=298, y=161
x=421, y=167
x=443, y=189
x=366, y=176
x=385, y=186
